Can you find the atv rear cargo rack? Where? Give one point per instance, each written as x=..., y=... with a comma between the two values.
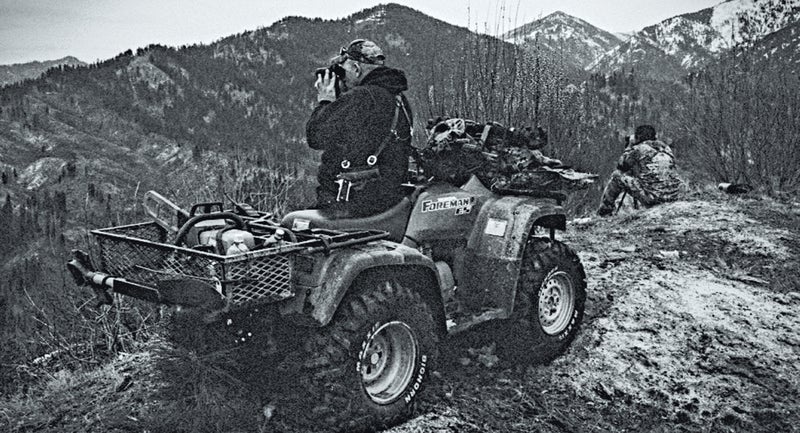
x=137, y=260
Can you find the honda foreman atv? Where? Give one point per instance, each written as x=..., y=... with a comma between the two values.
x=370, y=298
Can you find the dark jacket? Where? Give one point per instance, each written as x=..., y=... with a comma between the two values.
x=352, y=128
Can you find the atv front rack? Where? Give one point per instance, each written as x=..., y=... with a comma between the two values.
x=137, y=261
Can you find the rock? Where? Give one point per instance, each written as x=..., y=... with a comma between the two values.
x=682, y=417
x=735, y=188
x=669, y=254
x=739, y=276
x=126, y=383
x=582, y=221
x=611, y=261
x=602, y=392
x=269, y=411
x=488, y=361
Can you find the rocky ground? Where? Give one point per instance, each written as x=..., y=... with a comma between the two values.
x=692, y=324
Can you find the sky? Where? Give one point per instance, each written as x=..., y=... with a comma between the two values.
x=92, y=30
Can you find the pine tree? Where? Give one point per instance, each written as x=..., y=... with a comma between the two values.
x=6, y=223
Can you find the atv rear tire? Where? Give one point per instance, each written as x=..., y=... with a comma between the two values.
x=550, y=301
x=366, y=369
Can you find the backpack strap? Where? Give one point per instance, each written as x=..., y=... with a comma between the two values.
x=373, y=159
x=398, y=104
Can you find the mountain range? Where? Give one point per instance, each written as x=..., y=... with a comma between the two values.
x=26, y=71
x=675, y=45
x=667, y=49
x=575, y=41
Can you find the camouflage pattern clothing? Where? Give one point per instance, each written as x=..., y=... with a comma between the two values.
x=501, y=158
x=543, y=178
x=646, y=171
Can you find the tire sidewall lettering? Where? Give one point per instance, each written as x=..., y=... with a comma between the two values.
x=416, y=385
x=421, y=370
x=364, y=341
x=349, y=369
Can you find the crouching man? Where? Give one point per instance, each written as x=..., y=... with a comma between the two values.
x=646, y=171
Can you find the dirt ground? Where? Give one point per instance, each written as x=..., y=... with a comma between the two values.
x=692, y=324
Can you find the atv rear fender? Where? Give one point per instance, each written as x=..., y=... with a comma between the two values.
x=322, y=280
x=494, y=250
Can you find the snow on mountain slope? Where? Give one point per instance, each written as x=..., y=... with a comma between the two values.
x=571, y=38
x=693, y=39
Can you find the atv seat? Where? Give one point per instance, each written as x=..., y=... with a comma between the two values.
x=393, y=220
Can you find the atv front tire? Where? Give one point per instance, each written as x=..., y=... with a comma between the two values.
x=366, y=369
x=550, y=301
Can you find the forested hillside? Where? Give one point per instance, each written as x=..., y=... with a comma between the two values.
x=10, y=74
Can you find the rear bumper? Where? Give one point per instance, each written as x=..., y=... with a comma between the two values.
x=186, y=293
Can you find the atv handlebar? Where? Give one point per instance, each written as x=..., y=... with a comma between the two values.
x=229, y=216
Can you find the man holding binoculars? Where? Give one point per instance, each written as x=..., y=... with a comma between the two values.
x=362, y=123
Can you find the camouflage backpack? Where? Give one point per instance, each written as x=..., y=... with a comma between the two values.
x=502, y=158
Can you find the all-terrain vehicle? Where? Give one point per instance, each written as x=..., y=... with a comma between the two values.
x=372, y=297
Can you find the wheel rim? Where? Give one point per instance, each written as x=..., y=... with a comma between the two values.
x=387, y=362
x=556, y=303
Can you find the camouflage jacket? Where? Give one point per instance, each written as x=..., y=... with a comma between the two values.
x=653, y=163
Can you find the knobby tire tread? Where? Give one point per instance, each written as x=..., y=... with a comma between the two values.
x=327, y=382
x=541, y=256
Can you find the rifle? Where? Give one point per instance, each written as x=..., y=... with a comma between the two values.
x=621, y=202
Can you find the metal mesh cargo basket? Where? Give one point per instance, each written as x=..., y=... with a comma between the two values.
x=139, y=253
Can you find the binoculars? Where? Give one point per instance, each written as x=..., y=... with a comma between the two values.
x=336, y=70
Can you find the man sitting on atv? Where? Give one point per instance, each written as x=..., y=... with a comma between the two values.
x=646, y=171
x=363, y=126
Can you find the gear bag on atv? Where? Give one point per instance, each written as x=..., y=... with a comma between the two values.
x=505, y=159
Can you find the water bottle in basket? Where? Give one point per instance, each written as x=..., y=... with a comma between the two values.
x=275, y=239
